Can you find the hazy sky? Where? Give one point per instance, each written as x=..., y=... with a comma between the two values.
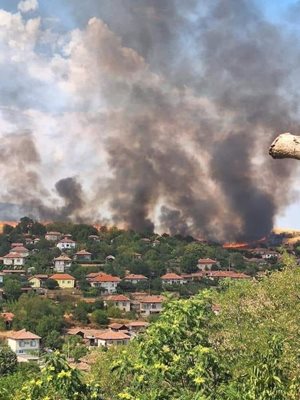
x=68, y=69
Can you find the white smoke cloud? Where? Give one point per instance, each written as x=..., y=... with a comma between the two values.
x=28, y=5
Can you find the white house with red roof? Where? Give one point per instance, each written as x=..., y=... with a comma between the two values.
x=135, y=278
x=14, y=259
x=105, y=281
x=66, y=244
x=118, y=300
x=172, y=279
x=112, y=338
x=151, y=305
x=62, y=263
x=25, y=344
x=205, y=264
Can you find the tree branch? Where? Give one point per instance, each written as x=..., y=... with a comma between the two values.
x=286, y=146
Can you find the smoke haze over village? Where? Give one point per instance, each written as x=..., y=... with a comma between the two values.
x=149, y=114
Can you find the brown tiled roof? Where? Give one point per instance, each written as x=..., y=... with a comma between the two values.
x=20, y=249
x=39, y=276
x=206, y=261
x=106, y=278
x=135, y=277
x=62, y=257
x=83, y=252
x=171, y=276
x=138, y=323
x=66, y=240
x=13, y=255
x=152, y=299
x=54, y=233
x=115, y=325
x=16, y=244
x=111, y=335
x=227, y=274
x=23, y=335
x=117, y=297
x=60, y=277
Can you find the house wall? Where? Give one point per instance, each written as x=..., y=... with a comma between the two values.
x=13, y=261
x=110, y=287
x=66, y=284
x=23, y=346
x=64, y=246
x=35, y=282
x=108, y=343
x=150, y=308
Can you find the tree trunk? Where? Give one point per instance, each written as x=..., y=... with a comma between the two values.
x=286, y=146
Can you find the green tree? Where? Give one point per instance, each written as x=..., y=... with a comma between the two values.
x=58, y=380
x=74, y=347
x=8, y=360
x=12, y=288
x=100, y=317
x=174, y=358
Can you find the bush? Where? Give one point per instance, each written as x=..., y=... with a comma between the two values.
x=100, y=317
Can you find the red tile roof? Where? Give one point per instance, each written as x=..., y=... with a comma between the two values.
x=16, y=244
x=117, y=297
x=206, y=261
x=135, y=277
x=20, y=249
x=62, y=257
x=152, y=299
x=171, y=276
x=60, y=277
x=83, y=253
x=105, y=278
x=22, y=335
x=66, y=240
x=138, y=323
x=54, y=233
x=227, y=274
x=111, y=335
x=12, y=254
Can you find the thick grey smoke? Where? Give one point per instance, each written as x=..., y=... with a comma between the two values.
x=183, y=98
x=20, y=164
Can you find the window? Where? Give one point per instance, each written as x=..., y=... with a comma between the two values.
x=33, y=343
x=22, y=343
x=154, y=306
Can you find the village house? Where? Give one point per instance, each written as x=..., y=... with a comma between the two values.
x=66, y=244
x=151, y=305
x=107, y=282
x=135, y=278
x=111, y=338
x=62, y=263
x=14, y=259
x=226, y=275
x=266, y=254
x=53, y=236
x=205, y=264
x=110, y=258
x=25, y=344
x=83, y=255
x=137, y=256
x=137, y=326
x=64, y=281
x=172, y=279
x=118, y=300
x=21, y=250
x=118, y=327
x=37, y=281
x=88, y=335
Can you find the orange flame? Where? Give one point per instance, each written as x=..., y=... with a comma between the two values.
x=235, y=245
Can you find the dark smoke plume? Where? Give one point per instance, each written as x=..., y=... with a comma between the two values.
x=194, y=92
